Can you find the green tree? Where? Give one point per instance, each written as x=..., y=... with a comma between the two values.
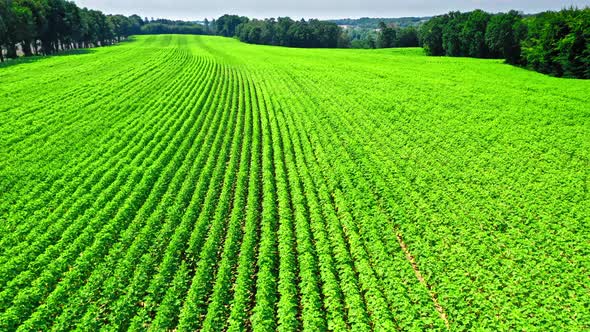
x=408, y=37
x=325, y=34
x=226, y=25
x=299, y=34
x=20, y=29
x=453, y=43
x=474, y=32
x=504, y=34
x=135, y=24
x=431, y=35
x=206, y=23
x=387, y=36
x=122, y=26
x=282, y=30
x=4, y=12
x=371, y=42
x=558, y=43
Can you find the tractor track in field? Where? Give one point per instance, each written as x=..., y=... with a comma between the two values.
x=433, y=296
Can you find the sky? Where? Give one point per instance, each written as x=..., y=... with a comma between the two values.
x=323, y=9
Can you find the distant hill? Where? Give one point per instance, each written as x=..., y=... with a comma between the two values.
x=372, y=22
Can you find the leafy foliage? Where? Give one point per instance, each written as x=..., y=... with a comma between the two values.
x=554, y=43
x=49, y=26
x=558, y=43
x=159, y=27
x=373, y=23
x=286, y=32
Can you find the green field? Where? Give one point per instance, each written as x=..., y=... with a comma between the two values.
x=188, y=182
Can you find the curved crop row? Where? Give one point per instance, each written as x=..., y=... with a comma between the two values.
x=195, y=183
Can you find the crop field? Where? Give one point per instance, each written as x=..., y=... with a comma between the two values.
x=199, y=183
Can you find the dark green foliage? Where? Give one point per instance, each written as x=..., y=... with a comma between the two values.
x=123, y=26
x=286, y=32
x=49, y=26
x=504, y=34
x=555, y=43
x=432, y=35
x=457, y=34
x=387, y=36
x=159, y=27
x=452, y=38
x=373, y=23
x=474, y=33
x=558, y=43
x=41, y=27
x=361, y=37
x=226, y=25
x=3, y=26
x=261, y=32
x=408, y=37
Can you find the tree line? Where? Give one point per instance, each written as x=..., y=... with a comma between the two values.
x=43, y=27
x=373, y=22
x=393, y=36
x=554, y=43
x=163, y=26
x=284, y=31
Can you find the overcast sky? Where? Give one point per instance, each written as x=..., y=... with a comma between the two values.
x=323, y=9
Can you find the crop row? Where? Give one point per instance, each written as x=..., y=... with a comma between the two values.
x=204, y=184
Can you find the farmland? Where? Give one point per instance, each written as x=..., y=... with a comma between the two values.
x=199, y=183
